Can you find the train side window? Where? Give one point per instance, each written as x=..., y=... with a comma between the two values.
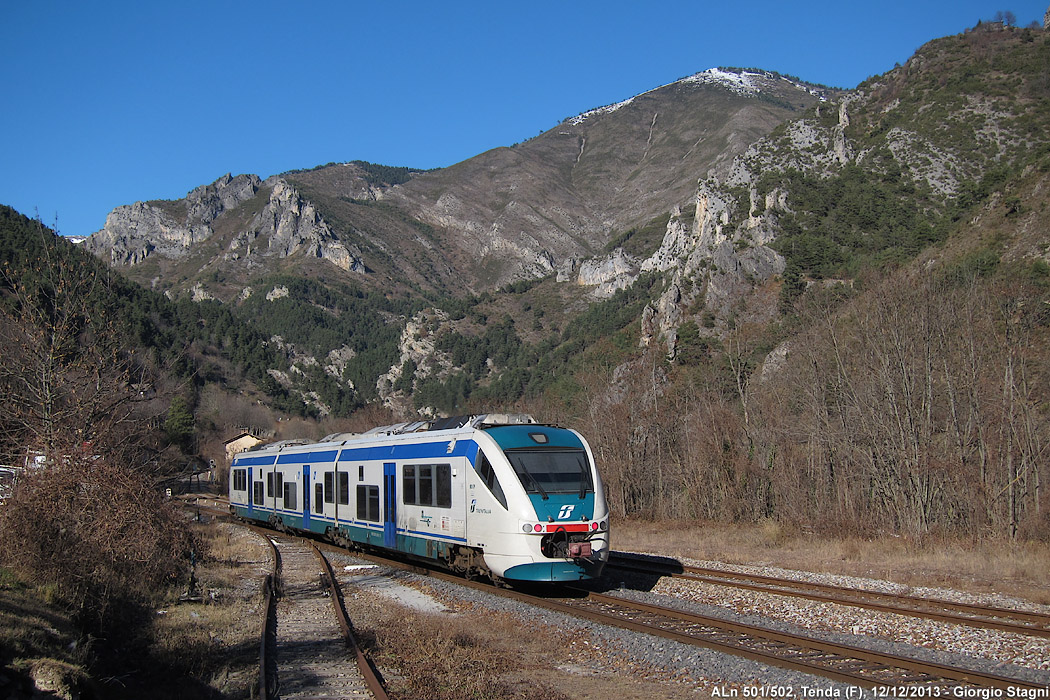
x=258, y=495
x=408, y=484
x=319, y=498
x=368, y=503
x=278, y=485
x=361, y=472
x=427, y=485
x=488, y=477
x=269, y=485
x=344, y=488
x=329, y=488
x=289, y=496
x=443, y=476
x=240, y=480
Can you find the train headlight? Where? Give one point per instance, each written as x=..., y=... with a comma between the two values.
x=604, y=526
x=526, y=528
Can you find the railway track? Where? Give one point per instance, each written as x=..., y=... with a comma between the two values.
x=839, y=662
x=808, y=654
x=1002, y=619
x=307, y=635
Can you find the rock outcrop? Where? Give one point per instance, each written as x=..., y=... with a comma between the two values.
x=290, y=224
x=137, y=231
x=286, y=225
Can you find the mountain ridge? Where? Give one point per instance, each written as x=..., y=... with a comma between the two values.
x=513, y=212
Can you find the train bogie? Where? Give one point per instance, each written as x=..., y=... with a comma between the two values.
x=500, y=496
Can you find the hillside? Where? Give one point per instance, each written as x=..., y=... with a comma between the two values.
x=740, y=332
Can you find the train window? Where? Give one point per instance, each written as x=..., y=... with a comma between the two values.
x=289, y=496
x=488, y=477
x=344, y=488
x=361, y=472
x=443, y=477
x=368, y=503
x=329, y=488
x=425, y=495
x=408, y=484
x=552, y=471
x=319, y=498
x=258, y=495
x=427, y=485
x=274, y=484
x=240, y=480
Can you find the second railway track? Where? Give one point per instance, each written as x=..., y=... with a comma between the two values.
x=1002, y=619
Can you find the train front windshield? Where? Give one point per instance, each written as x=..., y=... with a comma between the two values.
x=552, y=471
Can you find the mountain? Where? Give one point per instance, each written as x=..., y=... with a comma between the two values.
x=404, y=274
x=509, y=214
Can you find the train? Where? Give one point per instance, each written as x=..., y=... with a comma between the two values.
x=494, y=495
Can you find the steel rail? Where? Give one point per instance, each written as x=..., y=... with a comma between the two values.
x=1002, y=619
x=267, y=679
x=364, y=664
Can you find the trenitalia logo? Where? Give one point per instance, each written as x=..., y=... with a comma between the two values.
x=565, y=512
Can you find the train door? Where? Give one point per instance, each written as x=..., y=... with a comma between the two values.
x=306, y=496
x=249, y=494
x=390, y=509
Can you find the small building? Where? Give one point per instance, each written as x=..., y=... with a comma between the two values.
x=245, y=439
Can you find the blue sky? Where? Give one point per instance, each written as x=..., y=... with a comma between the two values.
x=109, y=103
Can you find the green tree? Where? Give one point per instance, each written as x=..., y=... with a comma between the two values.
x=179, y=424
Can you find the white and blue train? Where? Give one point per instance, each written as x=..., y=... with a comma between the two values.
x=495, y=495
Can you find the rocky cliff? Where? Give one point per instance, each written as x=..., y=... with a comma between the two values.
x=286, y=224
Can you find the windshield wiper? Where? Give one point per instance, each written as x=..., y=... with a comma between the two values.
x=536, y=484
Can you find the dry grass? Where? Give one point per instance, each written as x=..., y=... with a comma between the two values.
x=1012, y=568
x=475, y=652
x=452, y=658
x=39, y=645
x=211, y=641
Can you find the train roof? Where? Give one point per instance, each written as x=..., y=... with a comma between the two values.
x=473, y=422
x=485, y=420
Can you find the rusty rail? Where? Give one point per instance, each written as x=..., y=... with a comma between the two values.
x=364, y=664
x=268, y=637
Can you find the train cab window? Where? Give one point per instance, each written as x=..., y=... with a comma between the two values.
x=328, y=491
x=368, y=503
x=240, y=480
x=319, y=500
x=257, y=497
x=427, y=485
x=344, y=488
x=488, y=477
x=552, y=471
x=289, y=496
